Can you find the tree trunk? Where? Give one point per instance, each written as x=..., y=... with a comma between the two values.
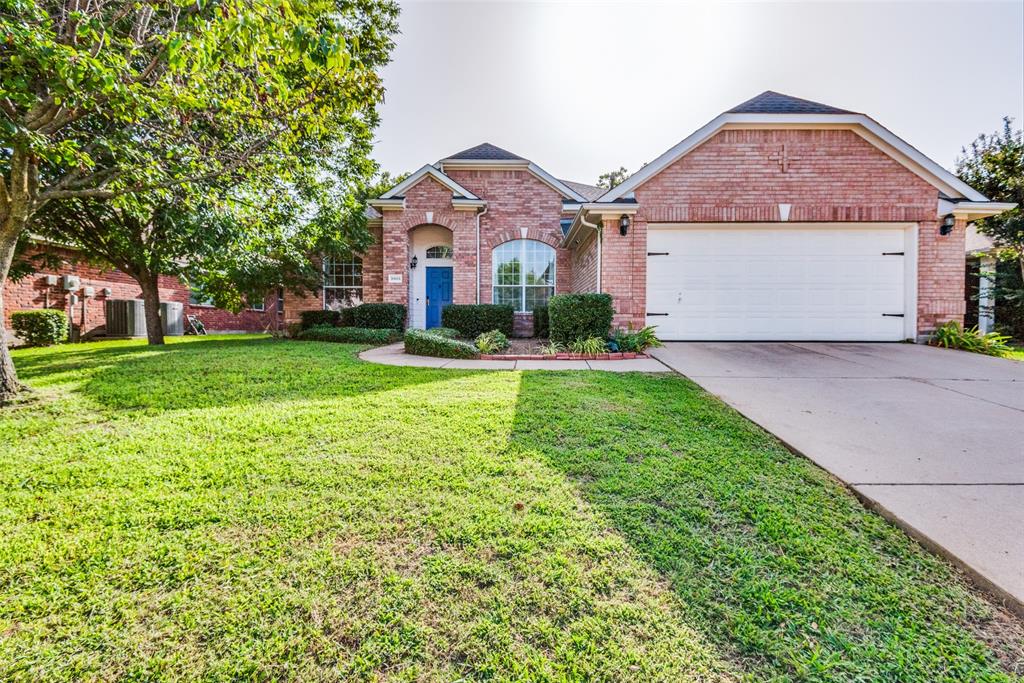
x=151, y=298
x=9, y=384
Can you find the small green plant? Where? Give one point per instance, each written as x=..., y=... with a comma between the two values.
x=552, y=348
x=952, y=336
x=43, y=327
x=591, y=346
x=492, y=342
x=579, y=316
x=423, y=343
x=638, y=341
x=446, y=332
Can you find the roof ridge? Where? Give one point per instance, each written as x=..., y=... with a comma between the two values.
x=774, y=102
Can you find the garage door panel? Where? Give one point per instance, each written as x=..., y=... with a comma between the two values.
x=772, y=283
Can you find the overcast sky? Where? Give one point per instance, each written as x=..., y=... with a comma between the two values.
x=582, y=88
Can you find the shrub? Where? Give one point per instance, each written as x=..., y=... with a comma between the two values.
x=472, y=320
x=350, y=335
x=423, y=343
x=447, y=332
x=491, y=342
x=347, y=317
x=591, y=346
x=579, y=316
x=294, y=329
x=43, y=327
x=952, y=336
x=319, y=318
x=636, y=340
x=379, y=316
x=540, y=322
x=552, y=348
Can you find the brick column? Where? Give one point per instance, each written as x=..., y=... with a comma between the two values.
x=624, y=270
x=940, y=268
x=395, y=241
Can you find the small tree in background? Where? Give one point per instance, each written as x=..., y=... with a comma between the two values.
x=994, y=165
x=612, y=178
x=106, y=99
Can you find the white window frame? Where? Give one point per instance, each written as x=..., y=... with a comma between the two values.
x=352, y=260
x=522, y=286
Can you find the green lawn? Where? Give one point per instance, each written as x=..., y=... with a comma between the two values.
x=252, y=509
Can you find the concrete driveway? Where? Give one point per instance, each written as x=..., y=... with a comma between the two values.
x=934, y=439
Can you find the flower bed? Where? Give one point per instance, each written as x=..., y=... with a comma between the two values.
x=563, y=356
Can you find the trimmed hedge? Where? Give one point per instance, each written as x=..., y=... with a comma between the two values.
x=319, y=318
x=472, y=320
x=579, y=316
x=350, y=335
x=423, y=343
x=443, y=332
x=347, y=317
x=43, y=327
x=540, y=322
x=379, y=316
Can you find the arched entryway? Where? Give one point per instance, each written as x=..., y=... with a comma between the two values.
x=431, y=274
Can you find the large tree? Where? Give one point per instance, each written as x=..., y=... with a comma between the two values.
x=101, y=99
x=994, y=165
x=612, y=178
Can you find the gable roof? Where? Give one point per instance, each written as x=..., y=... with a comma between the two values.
x=399, y=190
x=485, y=151
x=771, y=102
x=865, y=126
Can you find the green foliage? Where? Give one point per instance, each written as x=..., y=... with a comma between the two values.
x=472, y=320
x=540, y=322
x=612, y=178
x=952, y=336
x=319, y=318
x=552, y=348
x=347, y=317
x=41, y=327
x=448, y=332
x=591, y=347
x=380, y=316
x=423, y=343
x=350, y=335
x=579, y=316
x=630, y=340
x=293, y=330
x=237, y=504
x=491, y=342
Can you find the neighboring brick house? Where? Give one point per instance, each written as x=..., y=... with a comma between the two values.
x=88, y=313
x=779, y=219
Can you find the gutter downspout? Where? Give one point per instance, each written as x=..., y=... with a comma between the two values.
x=600, y=241
x=478, y=215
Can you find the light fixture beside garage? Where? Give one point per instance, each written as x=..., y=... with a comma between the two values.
x=948, y=222
x=623, y=225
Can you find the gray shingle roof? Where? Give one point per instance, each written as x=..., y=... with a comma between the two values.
x=487, y=152
x=770, y=102
x=589, y=192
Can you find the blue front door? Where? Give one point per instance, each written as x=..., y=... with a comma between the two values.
x=439, y=293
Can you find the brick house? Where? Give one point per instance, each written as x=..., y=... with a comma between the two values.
x=779, y=219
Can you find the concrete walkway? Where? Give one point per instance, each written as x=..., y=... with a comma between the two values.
x=394, y=354
x=932, y=438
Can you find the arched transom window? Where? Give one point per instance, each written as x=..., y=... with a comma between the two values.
x=524, y=274
x=440, y=251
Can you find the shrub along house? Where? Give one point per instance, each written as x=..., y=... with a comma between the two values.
x=779, y=219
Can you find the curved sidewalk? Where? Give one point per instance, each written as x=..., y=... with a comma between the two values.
x=394, y=354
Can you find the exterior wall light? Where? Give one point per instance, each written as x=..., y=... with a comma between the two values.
x=412, y=264
x=623, y=225
x=948, y=222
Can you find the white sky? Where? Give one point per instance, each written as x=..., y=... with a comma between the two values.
x=582, y=88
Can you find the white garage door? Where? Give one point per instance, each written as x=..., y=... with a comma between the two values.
x=763, y=282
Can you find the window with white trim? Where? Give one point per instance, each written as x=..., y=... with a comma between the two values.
x=440, y=251
x=343, y=282
x=524, y=274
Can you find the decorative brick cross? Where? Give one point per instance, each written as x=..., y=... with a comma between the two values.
x=783, y=158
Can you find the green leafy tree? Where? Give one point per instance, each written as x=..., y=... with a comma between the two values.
x=106, y=99
x=994, y=165
x=612, y=178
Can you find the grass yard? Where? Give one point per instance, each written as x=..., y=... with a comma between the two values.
x=252, y=509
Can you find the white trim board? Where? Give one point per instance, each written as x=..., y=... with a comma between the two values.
x=428, y=170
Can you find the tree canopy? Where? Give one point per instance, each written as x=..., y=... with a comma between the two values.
x=612, y=178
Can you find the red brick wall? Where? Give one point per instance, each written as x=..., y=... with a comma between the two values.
x=33, y=293
x=584, y=265
x=515, y=199
x=834, y=175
